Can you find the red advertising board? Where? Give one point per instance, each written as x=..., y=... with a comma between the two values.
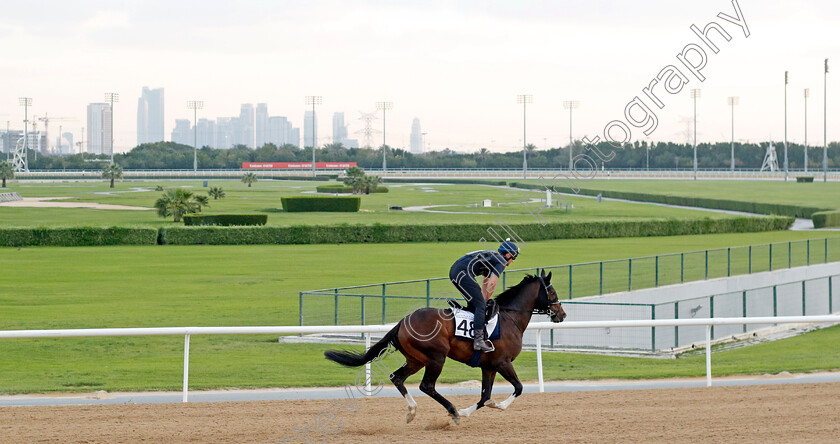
x=296, y=165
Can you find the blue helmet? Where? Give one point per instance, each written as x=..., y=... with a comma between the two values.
x=509, y=246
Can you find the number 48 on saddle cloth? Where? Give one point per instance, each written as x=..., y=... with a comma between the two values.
x=464, y=325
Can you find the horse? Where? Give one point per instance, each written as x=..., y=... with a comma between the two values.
x=426, y=337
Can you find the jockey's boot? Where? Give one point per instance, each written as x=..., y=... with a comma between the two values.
x=480, y=343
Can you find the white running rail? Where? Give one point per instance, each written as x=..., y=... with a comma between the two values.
x=367, y=330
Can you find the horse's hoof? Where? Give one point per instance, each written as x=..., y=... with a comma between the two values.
x=492, y=404
x=465, y=413
x=456, y=419
x=410, y=415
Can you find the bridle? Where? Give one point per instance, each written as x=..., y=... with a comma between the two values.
x=549, y=303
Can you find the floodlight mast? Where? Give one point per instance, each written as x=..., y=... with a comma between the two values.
x=195, y=105
x=806, y=129
x=112, y=98
x=786, y=150
x=825, y=133
x=25, y=102
x=384, y=106
x=524, y=99
x=570, y=105
x=732, y=101
x=313, y=100
x=695, y=94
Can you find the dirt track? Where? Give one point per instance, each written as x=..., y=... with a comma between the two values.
x=772, y=413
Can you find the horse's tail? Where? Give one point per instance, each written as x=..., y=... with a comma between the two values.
x=352, y=359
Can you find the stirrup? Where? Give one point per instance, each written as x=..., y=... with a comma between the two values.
x=482, y=341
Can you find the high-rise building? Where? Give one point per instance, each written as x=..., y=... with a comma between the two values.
x=339, y=130
x=182, y=133
x=65, y=143
x=246, y=125
x=310, y=129
x=261, y=125
x=150, y=116
x=206, y=133
x=294, y=138
x=278, y=130
x=99, y=128
x=416, y=137
x=224, y=132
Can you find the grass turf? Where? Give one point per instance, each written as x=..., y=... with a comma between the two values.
x=127, y=286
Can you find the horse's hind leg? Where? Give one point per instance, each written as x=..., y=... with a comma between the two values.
x=410, y=367
x=487, y=378
x=427, y=386
x=507, y=372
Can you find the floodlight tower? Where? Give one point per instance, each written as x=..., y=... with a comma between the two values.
x=195, y=105
x=524, y=99
x=825, y=139
x=384, y=106
x=695, y=94
x=786, y=153
x=112, y=97
x=570, y=105
x=313, y=100
x=22, y=160
x=806, y=130
x=732, y=101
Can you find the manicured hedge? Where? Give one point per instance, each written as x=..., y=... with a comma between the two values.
x=319, y=177
x=824, y=219
x=77, y=236
x=721, y=204
x=344, y=189
x=452, y=181
x=805, y=179
x=337, y=234
x=225, y=219
x=321, y=203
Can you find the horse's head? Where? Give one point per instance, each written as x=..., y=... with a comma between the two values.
x=547, y=301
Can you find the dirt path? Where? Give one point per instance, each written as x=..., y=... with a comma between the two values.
x=772, y=413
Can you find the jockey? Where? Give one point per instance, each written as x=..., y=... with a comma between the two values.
x=489, y=264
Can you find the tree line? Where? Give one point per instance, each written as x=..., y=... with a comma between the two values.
x=638, y=155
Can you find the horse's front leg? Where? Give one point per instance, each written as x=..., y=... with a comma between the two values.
x=427, y=386
x=487, y=378
x=507, y=372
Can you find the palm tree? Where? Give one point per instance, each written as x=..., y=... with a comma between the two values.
x=216, y=192
x=370, y=183
x=179, y=202
x=112, y=171
x=249, y=178
x=7, y=171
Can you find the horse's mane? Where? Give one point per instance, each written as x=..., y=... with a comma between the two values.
x=508, y=295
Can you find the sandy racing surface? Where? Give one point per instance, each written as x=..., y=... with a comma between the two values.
x=770, y=413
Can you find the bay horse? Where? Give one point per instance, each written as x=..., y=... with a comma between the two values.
x=426, y=337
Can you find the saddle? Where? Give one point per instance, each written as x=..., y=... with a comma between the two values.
x=492, y=308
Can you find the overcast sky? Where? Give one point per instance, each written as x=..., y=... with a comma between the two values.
x=457, y=66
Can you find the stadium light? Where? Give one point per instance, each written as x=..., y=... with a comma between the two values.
x=570, y=105
x=112, y=98
x=313, y=100
x=384, y=106
x=195, y=105
x=524, y=99
x=695, y=94
x=732, y=101
x=25, y=102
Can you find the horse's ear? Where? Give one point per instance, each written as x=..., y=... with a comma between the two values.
x=548, y=278
x=542, y=273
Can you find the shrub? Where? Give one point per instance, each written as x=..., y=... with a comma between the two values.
x=334, y=188
x=321, y=203
x=804, y=179
x=77, y=236
x=225, y=219
x=825, y=219
x=320, y=234
x=451, y=181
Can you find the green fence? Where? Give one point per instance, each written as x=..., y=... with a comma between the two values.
x=390, y=301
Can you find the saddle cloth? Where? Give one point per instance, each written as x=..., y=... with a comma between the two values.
x=464, y=325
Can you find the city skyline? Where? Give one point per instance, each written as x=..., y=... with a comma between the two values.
x=469, y=62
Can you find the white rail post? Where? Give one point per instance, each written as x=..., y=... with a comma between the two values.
x=186, y=366
x=709, y=355
x=539, y=361
x=367, y=366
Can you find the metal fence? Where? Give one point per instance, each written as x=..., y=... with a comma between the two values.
x=389, y=301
